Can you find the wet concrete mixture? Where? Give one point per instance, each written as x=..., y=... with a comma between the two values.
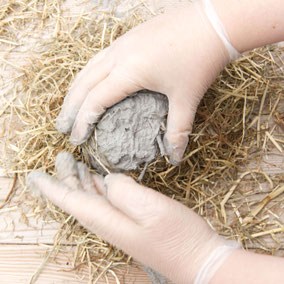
x=127, y=134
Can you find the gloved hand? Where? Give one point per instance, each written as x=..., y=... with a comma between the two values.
x=154, y=229
x=178, y=54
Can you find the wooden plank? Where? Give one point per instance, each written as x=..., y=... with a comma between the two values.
x=19, y=262
x=13, y=228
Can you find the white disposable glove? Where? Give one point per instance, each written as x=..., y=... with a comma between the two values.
x=154, y=229
x=178, y=54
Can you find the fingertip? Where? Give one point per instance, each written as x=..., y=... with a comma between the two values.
x=83, y=127
x=32, y=176
x=65, y=119
x=179, y=125
x=63, y=125
x=91, y=182
x=65, y=165
x=82, y=171
x=79, y=137
x=64, y=159
x=175, y=146
x=33, y=179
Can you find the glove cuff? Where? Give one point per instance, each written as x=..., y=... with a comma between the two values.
x=215, y=261
x=216, y=23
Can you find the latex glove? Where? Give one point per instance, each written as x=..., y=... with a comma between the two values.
x=178, y=54
x=154, y=229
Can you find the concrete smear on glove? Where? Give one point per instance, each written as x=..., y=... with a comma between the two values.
x=126, y=134
x=155, y=277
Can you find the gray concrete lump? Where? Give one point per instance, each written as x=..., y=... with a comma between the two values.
x=126, y=135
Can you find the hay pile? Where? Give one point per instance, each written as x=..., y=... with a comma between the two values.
x=232, y=128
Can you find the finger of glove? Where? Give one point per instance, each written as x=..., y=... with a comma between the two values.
x=99, y=57
x=111, y=90
x=179, y=125
x=89, y=183
x=95, y=71
x=67, y=170
x=92, y=210
x=99, y=60
x=100, y=184
x=142, y=204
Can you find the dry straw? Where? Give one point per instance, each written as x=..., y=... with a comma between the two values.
x=232, y=129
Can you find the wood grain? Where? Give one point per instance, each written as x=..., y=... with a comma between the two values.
x=19, y=262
